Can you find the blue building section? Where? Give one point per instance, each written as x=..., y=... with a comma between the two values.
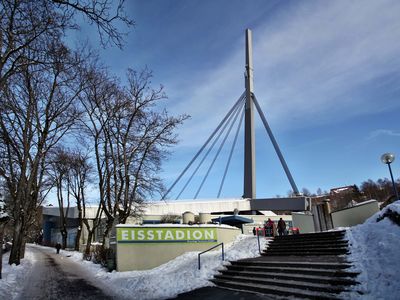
x=48, y=225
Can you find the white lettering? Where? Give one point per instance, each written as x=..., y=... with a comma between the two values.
x=197, y=235
x=124, y=234
x=140, y=235
x=159, y=234
x=180, y=235
x=132, y=234
x=150, y=235
x=209, y=234
x=168, y=235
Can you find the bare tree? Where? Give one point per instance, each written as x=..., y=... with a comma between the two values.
x=104, y=14
x=4, y=218
x=59, y=172
x=80, y=177
x=37, y=109
x=37, y=90
x=130, y=138
x=25, y=24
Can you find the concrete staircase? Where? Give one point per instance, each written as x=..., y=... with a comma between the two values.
x=311, y=266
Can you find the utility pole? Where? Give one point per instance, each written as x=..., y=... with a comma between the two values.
x=249, y=136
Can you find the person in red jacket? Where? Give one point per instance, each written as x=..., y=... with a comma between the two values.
x=269, y=228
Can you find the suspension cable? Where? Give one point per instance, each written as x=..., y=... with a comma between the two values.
x=230, y=154
x=275, y=144
x=219, y=150
x=204, y=145
x=209, y=150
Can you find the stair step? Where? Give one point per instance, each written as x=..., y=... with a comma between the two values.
x=305, y=248
x=309, y=250
x=309, y=266
x=306, y=253
x=295, y=284
x=310, y=271
x=308, y=243
x=313, y=235
x=303, y=242
x=293, y=277
x=300, y=264
x=278, y=247
x=309, y=240
x=273, y=289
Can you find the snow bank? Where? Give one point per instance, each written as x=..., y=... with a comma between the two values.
x=375, y=253
x=170, y=279
x=13, y=276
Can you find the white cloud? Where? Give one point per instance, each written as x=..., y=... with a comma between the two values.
x=383, y=132
x=313, y=64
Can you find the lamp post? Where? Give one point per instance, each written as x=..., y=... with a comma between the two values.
x=388, y=158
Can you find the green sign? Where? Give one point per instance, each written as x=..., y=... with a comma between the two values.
x=166, y=235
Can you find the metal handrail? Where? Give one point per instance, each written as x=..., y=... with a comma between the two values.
x=223, y=256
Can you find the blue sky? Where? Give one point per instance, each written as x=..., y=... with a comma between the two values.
x=326, y=73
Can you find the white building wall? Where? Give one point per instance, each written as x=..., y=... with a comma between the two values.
x=354, y=215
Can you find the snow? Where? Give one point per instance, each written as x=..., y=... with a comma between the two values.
x=177, y=276
x=13, y=276
x=175, y=225
x=365, y=202
x=374, y=253
x=3, y=213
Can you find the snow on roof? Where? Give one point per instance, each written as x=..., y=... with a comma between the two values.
x=338, y=190
x=365, y=202
x=90, y=211
x=196, y=207
x=267, y=212
x=174, y=226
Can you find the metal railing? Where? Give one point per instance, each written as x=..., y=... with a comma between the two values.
x=223, y=255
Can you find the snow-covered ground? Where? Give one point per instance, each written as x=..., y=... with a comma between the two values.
x=177, y=276
x=374, y=252
x=14, y=276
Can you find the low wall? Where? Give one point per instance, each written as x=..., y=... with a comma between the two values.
x=304, y=222
x=354, y=215
x=146, y=247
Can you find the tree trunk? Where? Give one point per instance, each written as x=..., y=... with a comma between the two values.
x=1, y=247
x=88, y=242
x=64, y=238
x=107, y=231
x=78, y=237
x=15, y=255
x=80, y=226
x=22, y=248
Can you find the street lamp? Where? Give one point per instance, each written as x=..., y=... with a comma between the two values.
x=388, y=158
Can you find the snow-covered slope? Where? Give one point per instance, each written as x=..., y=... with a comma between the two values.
x=177, y=276
x=375, y=253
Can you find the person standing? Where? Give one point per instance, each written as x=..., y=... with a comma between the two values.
x=281, y=227
x=58, y=247
x=269, y=228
